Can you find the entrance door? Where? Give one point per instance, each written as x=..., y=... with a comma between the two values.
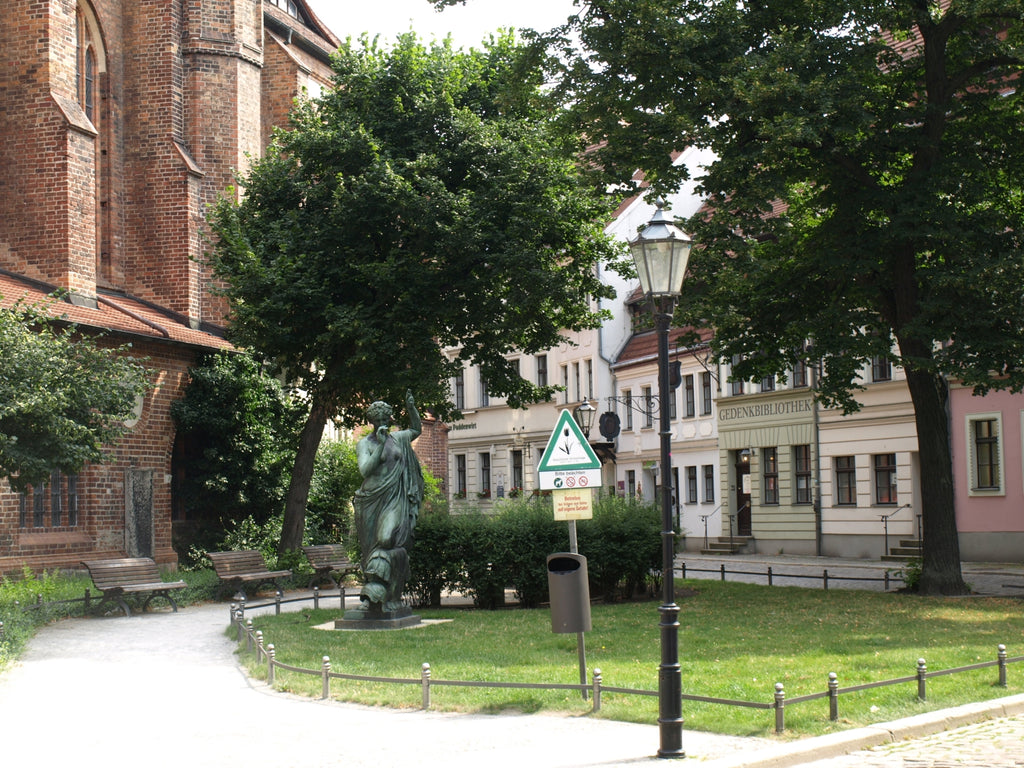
x=138, y=504
x=743, y=525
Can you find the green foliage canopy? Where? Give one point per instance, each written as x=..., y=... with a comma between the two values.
x=867, y=196
x=869, y=178
x=426, y=201
x=64, y=398
x=241, y=428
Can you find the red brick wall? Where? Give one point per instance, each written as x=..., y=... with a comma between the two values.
x=432, y=448
x=119, y=202
x=101, y=518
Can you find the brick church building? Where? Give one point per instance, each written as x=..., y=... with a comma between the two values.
x=120, y=122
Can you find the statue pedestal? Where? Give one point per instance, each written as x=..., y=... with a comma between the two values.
x=375, y=619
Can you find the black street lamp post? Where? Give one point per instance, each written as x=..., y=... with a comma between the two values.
x=661, y=252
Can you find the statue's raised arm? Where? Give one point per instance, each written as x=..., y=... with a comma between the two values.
x=415, y=425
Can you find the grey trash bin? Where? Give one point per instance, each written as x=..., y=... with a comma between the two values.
x=569, y=592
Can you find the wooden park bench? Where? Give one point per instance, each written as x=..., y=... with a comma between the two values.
x=130, y=575
x=328, y=560
x=247, y=566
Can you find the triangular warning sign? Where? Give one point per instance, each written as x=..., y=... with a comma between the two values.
x=567, y=448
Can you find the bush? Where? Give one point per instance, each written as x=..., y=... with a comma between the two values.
x=481, y=555
x=622, y=545
x=432, y=559
x=336, y=478
x=529, y=533
x=16, y=594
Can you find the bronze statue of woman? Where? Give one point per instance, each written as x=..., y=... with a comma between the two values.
x=387, y=505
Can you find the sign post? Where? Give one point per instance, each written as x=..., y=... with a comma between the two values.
x=570, y=469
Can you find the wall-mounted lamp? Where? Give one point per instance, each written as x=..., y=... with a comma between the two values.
x=518, y=442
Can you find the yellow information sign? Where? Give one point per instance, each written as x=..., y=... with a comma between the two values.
x=573, y=503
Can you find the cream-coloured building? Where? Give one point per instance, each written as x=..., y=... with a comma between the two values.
x=494, y=450
x=759, y=463
x=802, y=479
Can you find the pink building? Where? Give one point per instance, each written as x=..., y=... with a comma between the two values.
x=988, y=474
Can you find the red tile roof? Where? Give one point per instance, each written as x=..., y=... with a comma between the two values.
x=644, y=345
x=114, y=312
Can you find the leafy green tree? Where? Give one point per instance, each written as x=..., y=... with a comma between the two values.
x=336, y=478
x=64, y=398
x=426, y=202
x=868, y=192
x=240, y=428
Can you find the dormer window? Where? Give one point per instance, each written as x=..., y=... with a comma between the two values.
x=288, y=6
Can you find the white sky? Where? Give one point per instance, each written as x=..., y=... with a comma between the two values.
x=468, y=24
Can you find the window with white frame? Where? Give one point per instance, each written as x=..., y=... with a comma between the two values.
x=770, y=475
x=799, y=379
x=881, y=368
x=705, y=394
x=801, y=474
x=846, y=480
x=648, y=407
x=542, y=370
x=517, y=471
x=985, y=454
x=709, y=483
x=691, y=485
x=735, y=387
x=627, y=397
x=460, y=475
x=485, y=474
x=689, y=397
x=885, y=478
x=459, y=387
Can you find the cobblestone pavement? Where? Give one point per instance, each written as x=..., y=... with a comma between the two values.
x=992, y=744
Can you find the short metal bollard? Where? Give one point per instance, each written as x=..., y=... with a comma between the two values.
x=277, y=602
x=326, y=671
x=824, y=579
x=259, y=646
x=270, y=664
x=425, y=682
x=922, y=676
x=780, y=708
x=597, y=689
x=769, y=576
x=1002, y=665
x=316, y=598
x=833, y=697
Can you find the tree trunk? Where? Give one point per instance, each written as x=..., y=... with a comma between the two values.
x=940, y=560
x=302, y=475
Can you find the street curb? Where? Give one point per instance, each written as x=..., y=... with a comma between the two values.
x=837, y=744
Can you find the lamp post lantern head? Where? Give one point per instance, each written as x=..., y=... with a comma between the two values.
x=583, y=414
x=661, y=251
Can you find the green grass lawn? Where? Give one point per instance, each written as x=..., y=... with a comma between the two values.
x=735, y=641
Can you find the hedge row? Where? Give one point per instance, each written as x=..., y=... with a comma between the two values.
x=482, y=555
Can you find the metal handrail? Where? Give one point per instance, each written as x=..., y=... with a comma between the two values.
x=885, y=525
x=704, y=519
